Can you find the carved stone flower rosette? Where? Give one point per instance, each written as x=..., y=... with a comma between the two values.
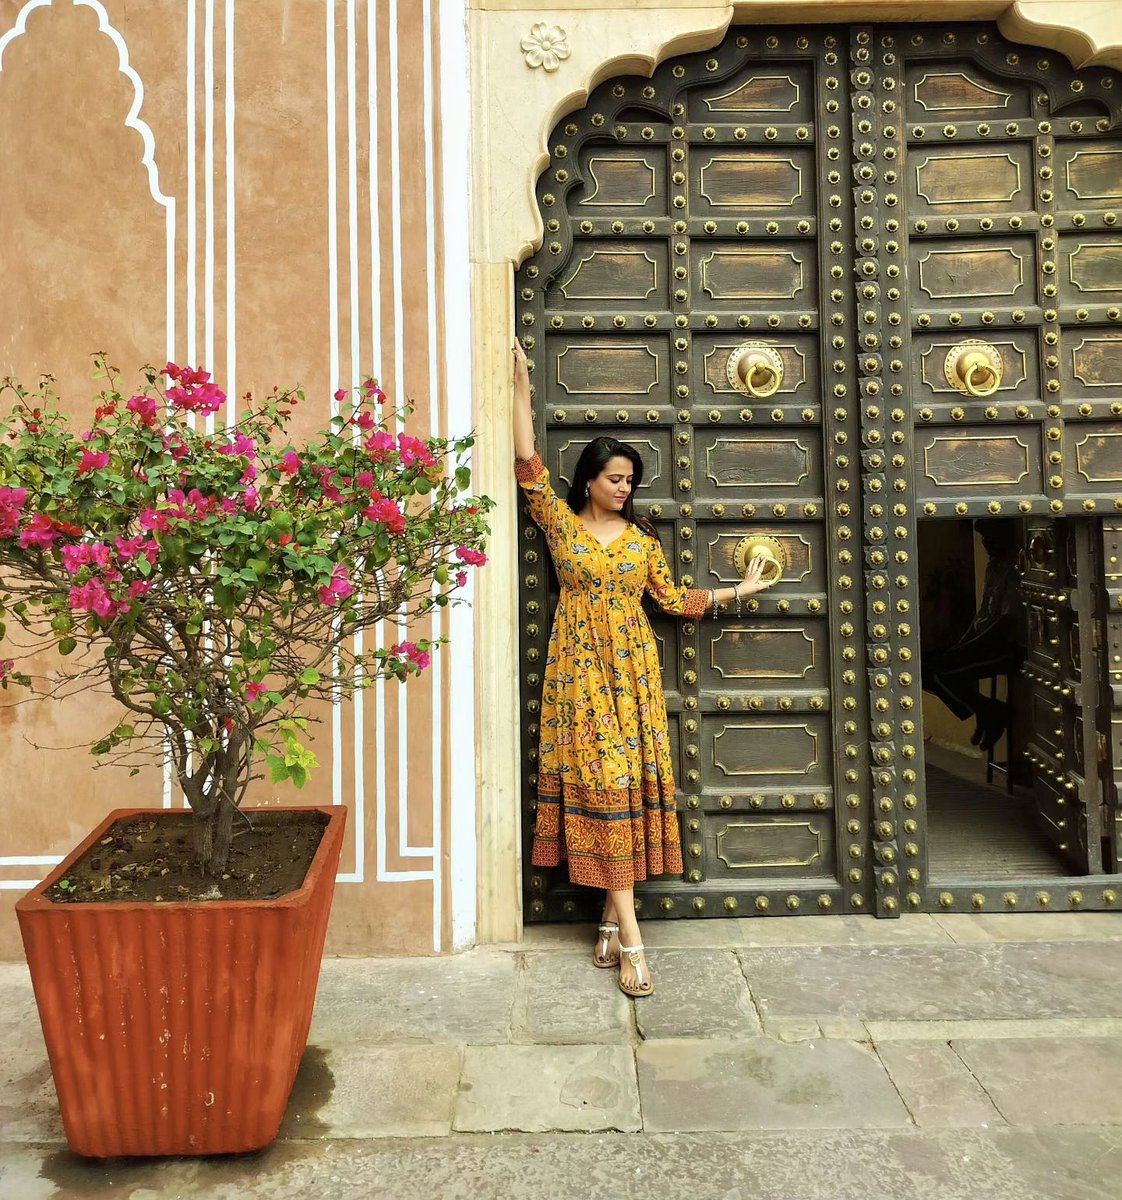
x=546, y=46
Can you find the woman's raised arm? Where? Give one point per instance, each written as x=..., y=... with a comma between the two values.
x=523, y=417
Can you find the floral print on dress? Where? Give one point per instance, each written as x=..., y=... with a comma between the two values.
x=605, y=776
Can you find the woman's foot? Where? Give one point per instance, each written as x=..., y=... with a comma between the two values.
x=634, y=974
x=606, y=951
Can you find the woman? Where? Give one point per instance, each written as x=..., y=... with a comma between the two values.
x=605, y=777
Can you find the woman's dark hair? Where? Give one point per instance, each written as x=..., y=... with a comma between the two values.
x=594, y=458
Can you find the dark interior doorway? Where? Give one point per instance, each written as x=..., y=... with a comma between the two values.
x=981, y=818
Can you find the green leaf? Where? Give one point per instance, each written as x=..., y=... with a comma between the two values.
x=278, y=768
x=463, y=478
x=310, y=676
x=67, y=645
x=298, y=774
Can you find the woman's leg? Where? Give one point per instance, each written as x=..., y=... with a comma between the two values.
x=631, y=975
x=606, y=952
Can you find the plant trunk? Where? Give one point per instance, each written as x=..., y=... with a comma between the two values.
x=212, y=832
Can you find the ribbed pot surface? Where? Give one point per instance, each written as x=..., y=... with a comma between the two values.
x=177, y=1028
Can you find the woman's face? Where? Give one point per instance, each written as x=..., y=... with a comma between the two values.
x=612, y=486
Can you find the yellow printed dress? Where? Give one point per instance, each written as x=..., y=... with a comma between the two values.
x=605, y=776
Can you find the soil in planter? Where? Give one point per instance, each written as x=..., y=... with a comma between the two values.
x=146, y=858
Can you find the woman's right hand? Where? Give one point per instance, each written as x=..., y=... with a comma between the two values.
x=521, y=370
x=753, y=580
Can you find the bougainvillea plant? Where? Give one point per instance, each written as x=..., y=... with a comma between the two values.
x=219, y=569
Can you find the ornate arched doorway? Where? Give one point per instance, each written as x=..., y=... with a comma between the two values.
x=768, y=266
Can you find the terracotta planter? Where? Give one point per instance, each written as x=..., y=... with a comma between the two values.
x=177, y=1028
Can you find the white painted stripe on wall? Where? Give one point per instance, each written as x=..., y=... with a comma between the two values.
x=396, y=395
x=192, y=197
x=382, y=872
x=208, y=189
x=456, y=297
x=230, y=96
x=437, y=723
x=333, y=365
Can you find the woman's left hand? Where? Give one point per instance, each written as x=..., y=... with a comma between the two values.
x=753, y=576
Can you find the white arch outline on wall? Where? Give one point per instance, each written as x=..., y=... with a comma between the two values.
x=167, y=203
x=132, y=121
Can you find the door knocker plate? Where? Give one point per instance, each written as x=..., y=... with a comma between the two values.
x=755, y=369
x=974, y=368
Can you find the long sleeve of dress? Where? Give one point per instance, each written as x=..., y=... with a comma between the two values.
x=669, y=596
x=549, y=511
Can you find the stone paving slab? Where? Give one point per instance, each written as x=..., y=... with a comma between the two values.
x=563, y=998
x=945, y=1031
x=885, y=983
x=19, y=1018
x=1035, y=1082
x=28, y=1103
x=843, y=930
x=1031, y=927
x=540, y=1088
x=697, y=995
x=1005, y=1164
x=369, y=1091
x=758, y=1083
x=466, y=998
x=937, y=1087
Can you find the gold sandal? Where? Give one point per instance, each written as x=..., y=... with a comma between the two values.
x=602, y=960
x=640, y=988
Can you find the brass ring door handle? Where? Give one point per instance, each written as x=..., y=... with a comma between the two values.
x=768, y=548
x=974, y=368
x=755, y=369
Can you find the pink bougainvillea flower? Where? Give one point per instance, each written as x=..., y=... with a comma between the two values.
x=341, y=395
x=250, y=499
x=93, y=460
x=12, y=501
x=364, y=480
x=93, y=597
x=153, y=521
x=290, y=464
x=473, y=558
x=241, y=445
x=414, y=450
x=41, y=531
x=374, y=392
x=413, y=653
x=253, y=690
x=128, y=547
x=7, y=665
x=338, y=589
x=194, y=391
x=386, y=512
x=139, y=587
x=365, y=421
x=77, y=555
x=461, y=578
x=145, y=409
x=379, y=444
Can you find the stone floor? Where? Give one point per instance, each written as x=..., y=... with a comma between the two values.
x=819, y=1058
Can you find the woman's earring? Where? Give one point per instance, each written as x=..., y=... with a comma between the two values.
x=586, y=493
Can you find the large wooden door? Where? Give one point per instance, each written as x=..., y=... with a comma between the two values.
x=1062, y=670
x=856, y=207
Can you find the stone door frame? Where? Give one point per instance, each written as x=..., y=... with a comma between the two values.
x=522, y=82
